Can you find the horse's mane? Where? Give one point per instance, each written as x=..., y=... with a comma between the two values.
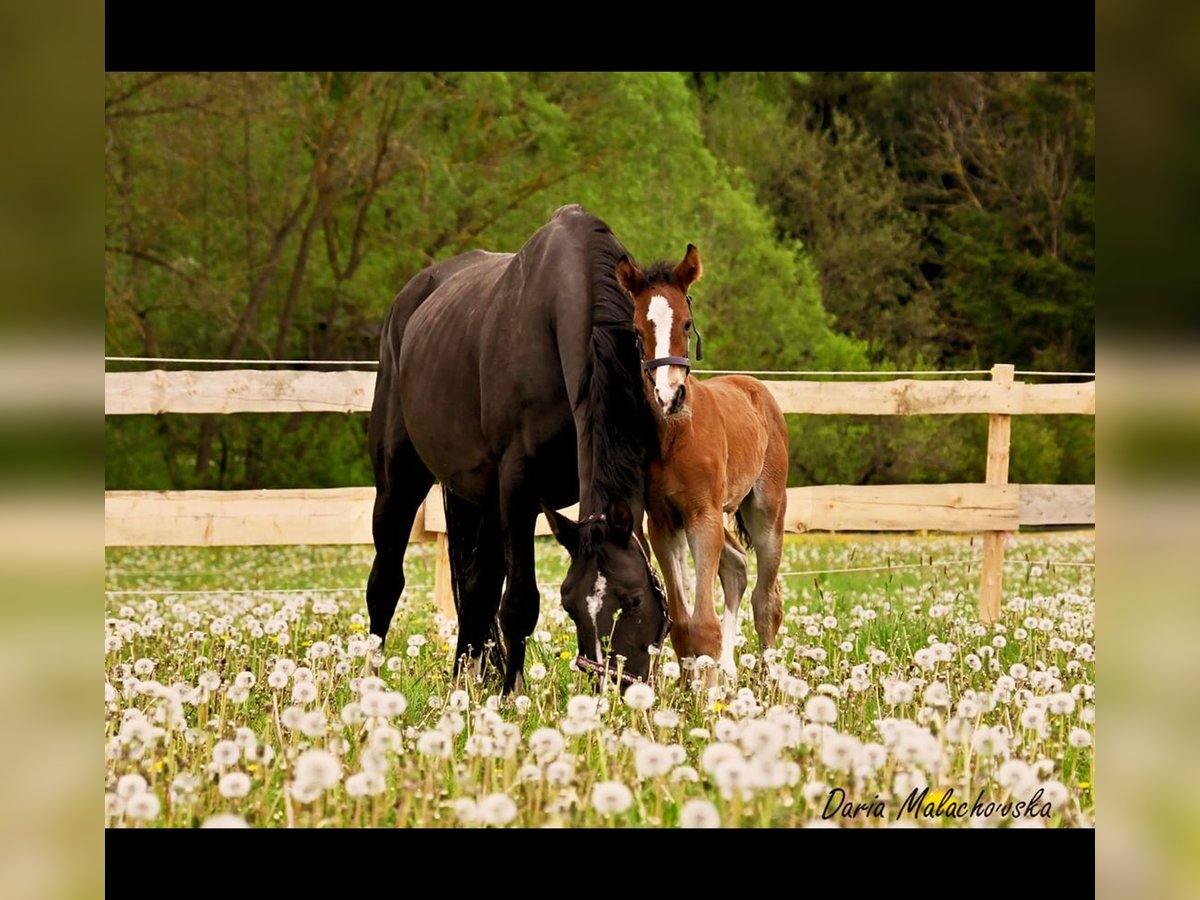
x=622, y=427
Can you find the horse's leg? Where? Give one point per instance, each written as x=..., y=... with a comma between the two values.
x=732, y=571
x=401, y=483
x=670, y=548
x=706, y=537
x=521, y=604
x=762, y=515
x=477, y=572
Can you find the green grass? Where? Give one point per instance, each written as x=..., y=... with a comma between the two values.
x=883, y=618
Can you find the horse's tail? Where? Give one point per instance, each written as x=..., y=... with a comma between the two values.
x=742, y=533
x=464, y=533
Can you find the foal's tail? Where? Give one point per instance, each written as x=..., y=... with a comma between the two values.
x=742, y=533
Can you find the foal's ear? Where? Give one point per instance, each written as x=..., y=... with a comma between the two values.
x=689, y=271
x=565, y=531
x=630, y=277
x=620, y=520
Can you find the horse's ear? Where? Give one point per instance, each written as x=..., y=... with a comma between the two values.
x=565, y=531
x=689, y=271
x=620, y=520
x=630, y=277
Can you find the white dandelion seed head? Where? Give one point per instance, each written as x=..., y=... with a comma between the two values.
x=458, y=701
x=639, y=697
x=210, y=681
x=611, y=798
x=725, y=730
x=225, y=820
x=560, y=772
x=699, y=813
x=226, y=753
x=820, y=709
x=685, y=775
x=529, y=774
x=670, y=670
x=546, y=743
x=582, y=707
x=653, y=760
x=497, y=809
x=1079, y=738
x=234, y=785
x=467, y=811
x=304, y=692
x=129, y=785
x=436, y=744
x=665, y=718
x=319, y=767
x=142, y=806
x=715, y=755
x=313, y=724
x=937, y=695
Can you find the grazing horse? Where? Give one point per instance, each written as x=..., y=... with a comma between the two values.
x=723, y=448
x=513, y=379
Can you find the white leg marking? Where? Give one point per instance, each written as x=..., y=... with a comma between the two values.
x=728, y=633
x=594, y=601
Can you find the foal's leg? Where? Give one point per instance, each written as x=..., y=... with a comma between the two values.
x=706, y=536
x=732, y=571
x=521, y=604
x=762, y=512
x=670, y=548
x=401, y=483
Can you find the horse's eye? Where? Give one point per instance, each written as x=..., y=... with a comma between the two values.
x=687, y=326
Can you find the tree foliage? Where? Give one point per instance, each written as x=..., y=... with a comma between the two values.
x=844, y=221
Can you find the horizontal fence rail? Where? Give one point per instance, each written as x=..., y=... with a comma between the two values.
x=255, y=391
x=343, y=515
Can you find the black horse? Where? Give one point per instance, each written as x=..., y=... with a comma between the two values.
x=515, y=381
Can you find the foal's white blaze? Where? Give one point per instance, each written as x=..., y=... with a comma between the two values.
x=661, y=316
x=594, y=601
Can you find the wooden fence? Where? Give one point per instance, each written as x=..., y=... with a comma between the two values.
x=343, y=515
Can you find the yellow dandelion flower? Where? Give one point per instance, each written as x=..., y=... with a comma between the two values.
x=932, y=799
x=566, y=654
x=718, y=706
x=1085, y=785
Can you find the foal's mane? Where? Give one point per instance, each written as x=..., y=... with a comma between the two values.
x=622, y=429
x=660, y=272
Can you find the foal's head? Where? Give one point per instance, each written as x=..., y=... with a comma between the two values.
x=662, y=314
x=611, y=593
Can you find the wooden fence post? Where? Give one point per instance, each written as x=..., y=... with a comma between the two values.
x=443, y=592
x=999, y=432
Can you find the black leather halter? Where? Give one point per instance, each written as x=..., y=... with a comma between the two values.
x=651, y=364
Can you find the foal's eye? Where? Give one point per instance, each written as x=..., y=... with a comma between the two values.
x=687, y=326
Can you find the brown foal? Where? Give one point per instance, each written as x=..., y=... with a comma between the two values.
x=724, y=449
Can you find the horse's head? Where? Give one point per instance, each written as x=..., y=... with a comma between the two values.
x=611, y=592
x=662, y=315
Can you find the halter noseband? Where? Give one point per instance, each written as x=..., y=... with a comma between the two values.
x=651, y=364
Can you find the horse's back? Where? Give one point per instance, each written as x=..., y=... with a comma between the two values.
x=743, y=400
x=488, y=353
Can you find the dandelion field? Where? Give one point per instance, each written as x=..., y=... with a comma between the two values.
x=263, y=703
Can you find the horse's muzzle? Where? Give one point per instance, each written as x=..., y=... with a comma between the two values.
x=603, y=669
